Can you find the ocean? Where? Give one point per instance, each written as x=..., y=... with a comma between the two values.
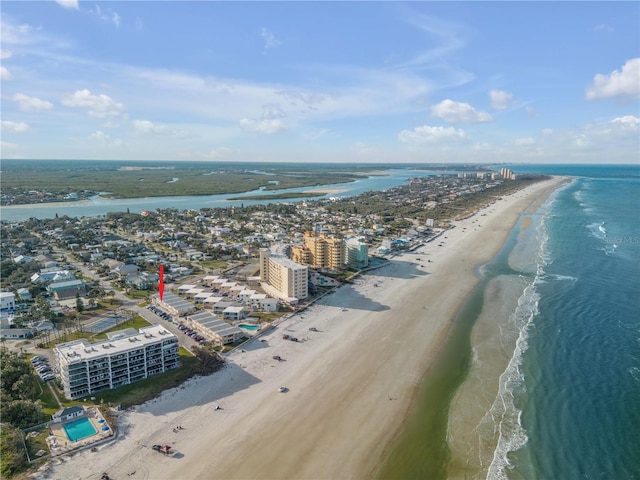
x=540, y=376
x=577, y=385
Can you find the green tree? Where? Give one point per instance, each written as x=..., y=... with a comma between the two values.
x=79, y=304
x=21, y=413
x=12, y=368
x=13, y=458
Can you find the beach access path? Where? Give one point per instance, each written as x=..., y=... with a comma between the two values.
x=350, y=385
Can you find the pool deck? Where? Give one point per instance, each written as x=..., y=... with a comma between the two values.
x=59, y=442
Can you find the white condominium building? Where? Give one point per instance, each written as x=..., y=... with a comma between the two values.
x=283, y=278
x=126, y=357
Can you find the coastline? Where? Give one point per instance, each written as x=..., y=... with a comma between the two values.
x=438, y=407
x=352, y=385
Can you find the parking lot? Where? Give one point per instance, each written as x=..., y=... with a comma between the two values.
x=42, y=368
x=190, y=338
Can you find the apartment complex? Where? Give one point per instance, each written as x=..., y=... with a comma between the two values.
x=320, y=251
x=126, y=357
x=283, y=278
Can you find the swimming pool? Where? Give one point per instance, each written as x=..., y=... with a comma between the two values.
x=79, y=429
x=249, y=327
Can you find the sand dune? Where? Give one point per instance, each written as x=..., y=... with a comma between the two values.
x=351, y=384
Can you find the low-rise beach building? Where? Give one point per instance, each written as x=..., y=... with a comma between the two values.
x=125, y=357
x=216, y=330
x=173, y=304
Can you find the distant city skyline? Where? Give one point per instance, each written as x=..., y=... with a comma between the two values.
x=371, y=82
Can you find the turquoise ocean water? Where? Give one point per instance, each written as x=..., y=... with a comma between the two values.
x=573, y=384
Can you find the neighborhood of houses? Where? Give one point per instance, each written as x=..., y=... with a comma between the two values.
x=273, y=257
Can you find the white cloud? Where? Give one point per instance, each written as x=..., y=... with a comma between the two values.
x=107, y=15
x=146, y=127
x=500, y=100
x=524, y=141
x=627, y=122
x=213, y=154
x=98, y=106
x=266, y=125
x=269, y=38
x=8, y=145
x=31, y=104
x=427, y=134
x=5, y=74
x=458, y=112
x=623, y=83
x=105, y=139
x=68, y=4
x=14, y=127
x=362, y=148
x=4, y=54
x=603, y=27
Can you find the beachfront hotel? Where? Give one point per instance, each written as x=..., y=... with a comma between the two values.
x=282, y=278
x=125, y=357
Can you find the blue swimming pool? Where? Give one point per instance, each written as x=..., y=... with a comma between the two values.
x=249, y=327
x=79, y=429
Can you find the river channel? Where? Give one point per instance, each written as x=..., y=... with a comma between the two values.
x=97, y=206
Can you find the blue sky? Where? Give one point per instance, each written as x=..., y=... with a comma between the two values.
x=321, y=81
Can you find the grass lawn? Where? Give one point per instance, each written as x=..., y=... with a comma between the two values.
x=139, y=392
x=36, y=443
x=136, y=322
x=213, y=264
x=267, y=316
x=48, y=401
x=139, y=294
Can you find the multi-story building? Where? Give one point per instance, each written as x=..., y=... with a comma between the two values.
x=126, y=357
x=357, y=253
x=283, y=278
x=7, y=301
x=320, y=251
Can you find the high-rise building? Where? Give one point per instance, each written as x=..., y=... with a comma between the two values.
x=320, y=251
x=126, y=357
x=282, y=278
x=357, y=253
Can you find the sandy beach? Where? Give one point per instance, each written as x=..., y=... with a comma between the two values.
x=351, y=384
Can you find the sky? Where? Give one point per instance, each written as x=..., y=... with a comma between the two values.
x=383, y=82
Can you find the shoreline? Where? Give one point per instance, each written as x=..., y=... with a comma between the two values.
x=429, y=420
x=351, y=384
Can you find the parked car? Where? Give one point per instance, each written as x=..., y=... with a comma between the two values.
x=166, y=449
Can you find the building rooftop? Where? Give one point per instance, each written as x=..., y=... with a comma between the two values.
x=81, y=350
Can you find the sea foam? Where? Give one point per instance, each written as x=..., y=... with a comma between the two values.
x=504, y=412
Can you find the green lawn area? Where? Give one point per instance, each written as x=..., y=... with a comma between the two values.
x=139, y=392
x=267, y=316
x=48, y=401
x=136, y=322
x=213, y=264
x=36, y=443
x=139, y=294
